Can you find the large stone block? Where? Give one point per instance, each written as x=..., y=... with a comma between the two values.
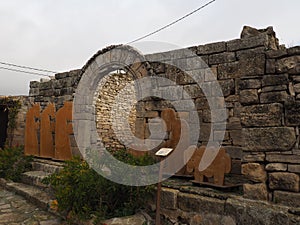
x=261, y=115
x=196, y=203
x=227, y=88
x=273, y=80
x=252, y=66
x=211, y=48
x=245, y=43
x=284, y=181
x=292, y=113
x=219, y=58
x=169, y=198
x=256, y=191
x=287, y=64
x=249, y=96
x=277, y=96
x=254, y=171
x=249, y=84
x=284, y=158
x=270, y=66
x=287, y=198
x=269, y=139
x=228, y=70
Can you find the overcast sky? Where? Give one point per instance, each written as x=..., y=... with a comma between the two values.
x=61, y=35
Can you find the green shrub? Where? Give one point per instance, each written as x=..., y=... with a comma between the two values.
x=81, y=191
x=13, y=163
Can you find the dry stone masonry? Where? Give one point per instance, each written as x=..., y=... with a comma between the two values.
x=260, y=82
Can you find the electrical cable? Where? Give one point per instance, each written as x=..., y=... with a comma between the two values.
x=27, y=67
x=172, y=23
x=23, y=71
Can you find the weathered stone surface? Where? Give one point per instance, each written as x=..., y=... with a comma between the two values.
x=287, y=198
x=276, y=167
x=254, y=171
x=269, y=139
x=270, y=66
x=237, y=137
x=270, y=97
x=284, y=181
x=287, y=64
x=211, y=48
x=169, y=198
x=250, y=42
x=273, y=80
x=249, y=84
x=254, y=157
x=227, y=88
x=234, y=152
x=273, y=54
x=261, y=115
x=256, y=191
x=195, y=203
x=228, y=70
x=252, y=66
x=137, y=219
x=284, y=158
x=219, y=58
x=292, y=113
x=294, y=169
x=297, y=88
x=249, y=96
x=258, y=212
x=274, y=88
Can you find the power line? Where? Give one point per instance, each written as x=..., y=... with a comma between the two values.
x=172, y=23
x=27, y=67
x=23, y=71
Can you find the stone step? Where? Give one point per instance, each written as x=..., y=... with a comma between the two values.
x=33, y=194
x=45, y=165
x=35, y=178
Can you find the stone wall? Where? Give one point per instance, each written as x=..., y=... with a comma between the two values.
x=260, y=82
x=111, y=107
x=15, y=136
x=198, y=205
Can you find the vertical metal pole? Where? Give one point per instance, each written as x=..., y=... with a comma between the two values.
x=158, y=194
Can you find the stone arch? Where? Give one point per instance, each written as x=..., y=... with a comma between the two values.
x=99, y=66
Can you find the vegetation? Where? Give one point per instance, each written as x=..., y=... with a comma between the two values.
x=81, y=191
x=13, y=163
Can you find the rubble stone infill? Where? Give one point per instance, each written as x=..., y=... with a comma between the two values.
x=15, y=210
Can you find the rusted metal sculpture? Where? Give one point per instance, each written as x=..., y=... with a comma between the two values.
x=46, y=132
x=31, y=130
x=63, y=128
x=220, y=165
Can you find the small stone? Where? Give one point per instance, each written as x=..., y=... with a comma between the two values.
x=284, y=181
x=169, y=198
x=254, y=171
x=276, y=167
x=256, y=191
x=249, y=96
x=254, y=157
x=249, y=84
x=294, y=168
x=287, y=198
x=225, y=57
